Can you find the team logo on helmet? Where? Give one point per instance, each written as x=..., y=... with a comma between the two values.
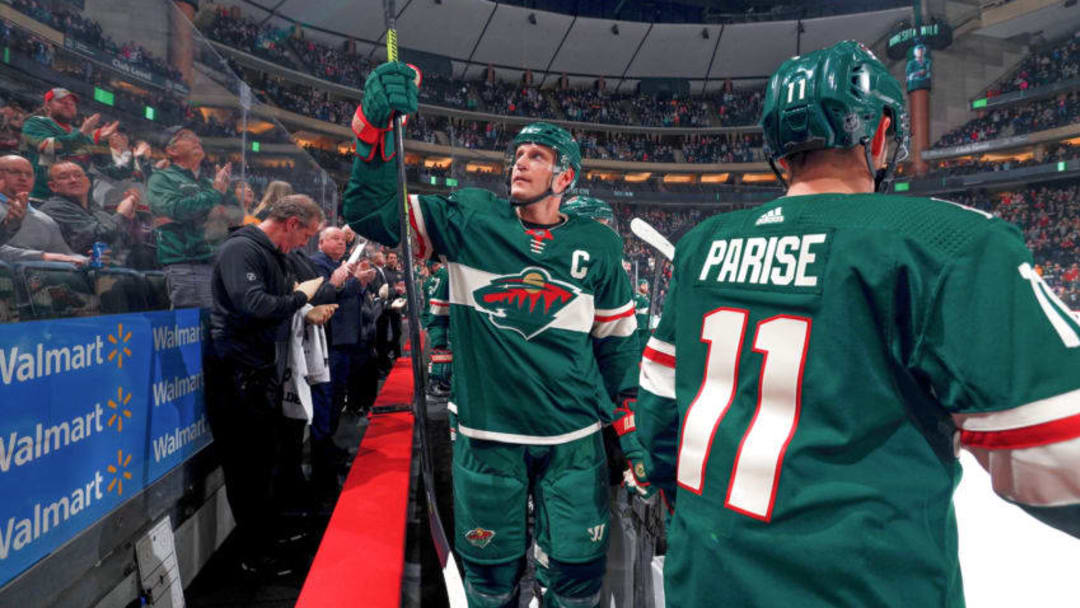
x=527, y=302
x=479, y=537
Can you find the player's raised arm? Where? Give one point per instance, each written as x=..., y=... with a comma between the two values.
x=1003, y=354
x=372, y=194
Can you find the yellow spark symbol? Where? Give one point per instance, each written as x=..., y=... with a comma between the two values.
x=119, y=412
x=120, y=342
x=118, y=481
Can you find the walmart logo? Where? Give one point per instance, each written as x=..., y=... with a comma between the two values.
x=119, y=408
x=119, y=473
x=119, y=342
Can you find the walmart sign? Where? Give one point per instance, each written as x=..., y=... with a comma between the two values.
x=91, y=412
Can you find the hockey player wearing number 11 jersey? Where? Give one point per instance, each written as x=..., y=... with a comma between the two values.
x=543, y=326
x=821, y=358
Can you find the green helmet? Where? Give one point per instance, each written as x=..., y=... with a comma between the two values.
x=592, y=208
x=832, y=98
x=567, y=152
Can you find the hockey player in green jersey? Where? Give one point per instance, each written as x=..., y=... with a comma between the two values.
x=821, y=358
x=641, y=310
x=543, y=323
x=442, y=357
x=596, y=209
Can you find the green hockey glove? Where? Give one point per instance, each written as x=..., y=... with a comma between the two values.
x=390, y=88
x=636, y=478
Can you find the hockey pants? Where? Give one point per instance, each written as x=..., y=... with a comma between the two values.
x=492, y=482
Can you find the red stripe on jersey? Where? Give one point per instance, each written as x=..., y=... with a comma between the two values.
x=420, y=244
x=438, y=302
x=1027, y=437
x=658, y=357
x=621, y=315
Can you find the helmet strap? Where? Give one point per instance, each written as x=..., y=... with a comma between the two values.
x=536, y=199
x=776, y=170
x=884, y=176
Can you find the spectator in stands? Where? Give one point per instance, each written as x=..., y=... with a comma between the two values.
x=12, y=118
x=254, y=300
x=12, y=212
x=275, y=191
x=49, y=137
x=83, y=224
x=121, y=161
x=246, y=195
x=182, y=202
x=352, y=354
x=38, y=237
x=388, y=326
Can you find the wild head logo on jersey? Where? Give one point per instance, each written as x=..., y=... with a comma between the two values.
x=479, y=537
x=527, y=302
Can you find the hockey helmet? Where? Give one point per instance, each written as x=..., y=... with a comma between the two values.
x=590, y=207
x=832, y=98
x=567, y=151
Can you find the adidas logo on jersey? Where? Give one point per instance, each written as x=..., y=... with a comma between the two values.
x=772, y=216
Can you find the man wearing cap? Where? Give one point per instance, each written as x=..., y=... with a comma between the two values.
x=50, y=137
x=181, y=201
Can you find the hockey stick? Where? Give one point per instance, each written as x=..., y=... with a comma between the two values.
x=455, y=589
x=644, y=231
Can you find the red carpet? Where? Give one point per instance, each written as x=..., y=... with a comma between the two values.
x=362, y=555
x=398, y=388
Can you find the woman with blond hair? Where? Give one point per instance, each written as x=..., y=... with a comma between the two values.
x=275, y=191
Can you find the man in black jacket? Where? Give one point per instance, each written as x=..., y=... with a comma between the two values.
x=255, y=298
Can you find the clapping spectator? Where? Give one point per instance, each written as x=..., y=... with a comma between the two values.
x=183, y=204
x=49, y=137
x=38, y=236
x=82, y=224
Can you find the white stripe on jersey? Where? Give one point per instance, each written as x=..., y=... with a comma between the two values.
x=529, y=439
x=450, y=405
x=464, y=280
x=659, y=345
x=658, y=379
x=417, y=215
x=439, y=308
x=1030, y=414
x=619, y=322
x=1041, y=476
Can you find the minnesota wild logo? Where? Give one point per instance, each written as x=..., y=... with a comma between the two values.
x=527, y=302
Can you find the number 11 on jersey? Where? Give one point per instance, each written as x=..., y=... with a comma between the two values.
x=782, y=341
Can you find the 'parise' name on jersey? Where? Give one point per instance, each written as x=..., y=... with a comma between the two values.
x=775, y=260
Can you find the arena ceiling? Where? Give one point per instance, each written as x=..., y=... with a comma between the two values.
x=512, y=38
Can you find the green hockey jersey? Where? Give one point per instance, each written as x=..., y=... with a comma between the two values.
x=45, y=142
x=438, y=309
x=818, y=363
x=641, y=311
x=542, y=318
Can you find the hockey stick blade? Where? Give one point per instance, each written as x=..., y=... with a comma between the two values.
x=644, y=231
